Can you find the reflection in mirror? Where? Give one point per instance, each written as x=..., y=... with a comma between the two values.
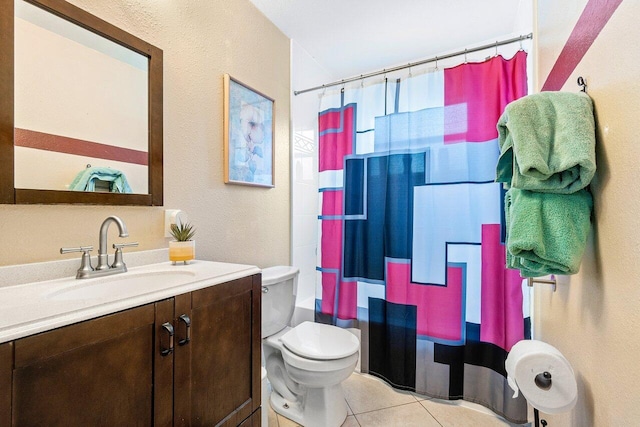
x=81, y=113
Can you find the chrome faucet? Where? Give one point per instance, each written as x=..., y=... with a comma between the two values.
x=86, y=271
x=103, y=255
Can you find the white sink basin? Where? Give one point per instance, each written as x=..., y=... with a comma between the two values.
x=122, y=285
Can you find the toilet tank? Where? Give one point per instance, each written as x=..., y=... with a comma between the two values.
x=279, y=288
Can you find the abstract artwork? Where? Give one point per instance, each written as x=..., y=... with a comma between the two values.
x=248, y=135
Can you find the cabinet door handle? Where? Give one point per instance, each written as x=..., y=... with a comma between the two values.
x=187, y=326
x=168, y=328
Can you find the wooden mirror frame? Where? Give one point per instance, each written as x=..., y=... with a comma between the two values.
x=11, y=195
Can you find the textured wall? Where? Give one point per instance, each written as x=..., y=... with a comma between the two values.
x=593, y=317
x=201, y=40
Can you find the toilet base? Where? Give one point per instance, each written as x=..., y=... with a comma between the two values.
x=320, y=407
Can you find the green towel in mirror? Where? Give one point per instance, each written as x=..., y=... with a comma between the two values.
x=85, y=180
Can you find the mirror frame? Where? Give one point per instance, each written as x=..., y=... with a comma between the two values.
x=72, y=13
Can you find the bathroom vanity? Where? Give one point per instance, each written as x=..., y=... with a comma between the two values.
x=159, y=345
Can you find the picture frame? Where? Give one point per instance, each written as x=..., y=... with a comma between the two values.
x=249, y=151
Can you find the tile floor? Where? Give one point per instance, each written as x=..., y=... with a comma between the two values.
x=373, y=403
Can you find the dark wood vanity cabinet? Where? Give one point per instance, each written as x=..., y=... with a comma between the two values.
x=193, y=359
x=222, y=359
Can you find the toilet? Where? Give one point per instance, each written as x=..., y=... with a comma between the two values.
x=305, y=364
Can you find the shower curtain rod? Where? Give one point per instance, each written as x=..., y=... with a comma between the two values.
x=413, y=64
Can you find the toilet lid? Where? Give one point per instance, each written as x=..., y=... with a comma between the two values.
x=319, y=341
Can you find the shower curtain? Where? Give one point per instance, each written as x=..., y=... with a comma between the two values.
x=411, y=230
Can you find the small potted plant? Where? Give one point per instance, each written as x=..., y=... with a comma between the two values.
x=183, y=248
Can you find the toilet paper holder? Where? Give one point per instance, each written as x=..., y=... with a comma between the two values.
x=537, y=420
x=551, y=281
x=543, y=381
x=544, y=377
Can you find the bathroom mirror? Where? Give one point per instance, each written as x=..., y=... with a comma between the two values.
x=80, y=111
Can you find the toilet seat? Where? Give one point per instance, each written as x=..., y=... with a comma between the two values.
x=320, y=342
x=314, y=365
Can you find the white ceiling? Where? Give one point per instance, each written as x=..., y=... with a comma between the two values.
x=353, y=37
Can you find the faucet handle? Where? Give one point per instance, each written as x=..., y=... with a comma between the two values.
x=117, y=246
x=85, y=249
x=85, y=264
x=117, y=261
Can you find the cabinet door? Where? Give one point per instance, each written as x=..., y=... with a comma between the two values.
x=95, y=373
x=6, y=366
x=225, y=353
x=182, y=361
x=163, y=364
x=255, y=420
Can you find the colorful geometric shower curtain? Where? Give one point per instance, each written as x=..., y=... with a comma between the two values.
x=411, y=230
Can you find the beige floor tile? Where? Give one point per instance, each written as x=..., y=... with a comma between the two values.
x=409, y=415
x=365, y=393
x=350, y=422
x=454, y=415
x=273, y=417
x=421, y=397
x=286, y=422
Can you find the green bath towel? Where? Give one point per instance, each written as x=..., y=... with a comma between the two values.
x=546, y=233
x=85, y=180
x=547, y=143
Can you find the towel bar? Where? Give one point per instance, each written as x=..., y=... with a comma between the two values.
x=552, y=281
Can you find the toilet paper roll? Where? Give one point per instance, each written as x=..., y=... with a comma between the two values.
x=526, y=365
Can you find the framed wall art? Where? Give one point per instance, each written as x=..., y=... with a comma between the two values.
x=248, y=135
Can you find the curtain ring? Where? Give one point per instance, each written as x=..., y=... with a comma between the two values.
x=324, y=90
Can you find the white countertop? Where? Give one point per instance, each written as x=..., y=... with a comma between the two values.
x=30, y=308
